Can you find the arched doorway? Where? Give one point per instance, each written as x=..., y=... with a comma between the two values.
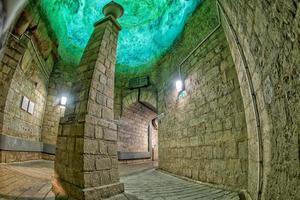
x=137, y=133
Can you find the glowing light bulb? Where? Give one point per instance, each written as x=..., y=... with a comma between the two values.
x=179, y=85
x=63, y=101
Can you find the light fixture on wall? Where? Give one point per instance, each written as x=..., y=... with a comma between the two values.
x=63, y=101
x=179, y=85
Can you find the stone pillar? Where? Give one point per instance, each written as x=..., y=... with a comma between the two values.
x=86, y=165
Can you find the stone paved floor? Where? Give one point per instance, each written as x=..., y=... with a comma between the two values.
x=26, y=181
x=156, y=185
x=32, y=181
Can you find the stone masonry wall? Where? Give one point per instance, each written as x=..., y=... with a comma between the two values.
x=88, y=132
x=268, y=33
x=27, y=59
x=59, y=85
x=133, y=128
x=203, y=135
x=12, y=55
x=28, y=81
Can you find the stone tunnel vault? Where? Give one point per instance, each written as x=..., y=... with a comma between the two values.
x=259, y=125
x=137, y=137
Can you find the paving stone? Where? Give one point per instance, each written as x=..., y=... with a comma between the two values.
x=32, y=180
x=153, y=184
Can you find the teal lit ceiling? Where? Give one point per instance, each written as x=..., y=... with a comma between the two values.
x=149, y=27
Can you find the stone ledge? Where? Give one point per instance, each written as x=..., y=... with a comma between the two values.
x=9, y=143
x=133, y=155
x=49, y=148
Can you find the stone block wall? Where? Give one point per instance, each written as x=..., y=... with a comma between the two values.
x=88, y=133
x=30, y=81
x=267, y=34
x=29, y=77
x=12, y=55
x=27, y=60
x=133, y=133
x=59, y=85
x=203, y=135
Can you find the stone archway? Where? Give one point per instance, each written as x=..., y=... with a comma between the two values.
x=148, y=98
x=257, y=119
x=136, y=136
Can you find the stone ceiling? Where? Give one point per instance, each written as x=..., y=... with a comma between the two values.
x=149, y=26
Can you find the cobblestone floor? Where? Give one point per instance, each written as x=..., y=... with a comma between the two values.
x=32, y=181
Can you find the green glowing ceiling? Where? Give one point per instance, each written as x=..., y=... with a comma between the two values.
x=149, y=27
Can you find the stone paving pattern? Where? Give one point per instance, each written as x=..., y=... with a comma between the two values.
x=156, y=185
x=32, y=180
x=28, y=180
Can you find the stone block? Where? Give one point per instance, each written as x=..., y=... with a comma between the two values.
x=79, y=145
x=112, y=149
x=103, y=147
x=70, y=144
x=243, y=150
x=92, y=179
x=89, y=162
x=110, y=135
x=103, y=163
x=114, y=175
x=231, y=150
x=98, y=132
x=90, y=146
x=61, y=143
x=107, y=113
x=103, y=79
x=101, y=99
x=89, y=130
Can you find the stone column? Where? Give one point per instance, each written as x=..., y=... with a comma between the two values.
x=86, y=165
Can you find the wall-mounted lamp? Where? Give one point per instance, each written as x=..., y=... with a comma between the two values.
x=63, y=100
x=179, y=85
x=180, y=88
